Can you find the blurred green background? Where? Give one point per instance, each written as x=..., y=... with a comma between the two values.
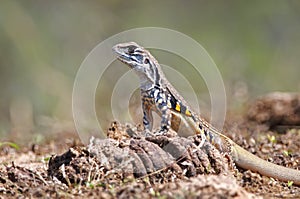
x=255, y=44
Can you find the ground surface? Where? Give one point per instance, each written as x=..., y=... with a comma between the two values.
x=76, y=171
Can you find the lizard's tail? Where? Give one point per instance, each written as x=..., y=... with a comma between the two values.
x=247, y=160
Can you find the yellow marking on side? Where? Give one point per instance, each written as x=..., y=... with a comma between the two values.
x=177, y=108
x=188, y=113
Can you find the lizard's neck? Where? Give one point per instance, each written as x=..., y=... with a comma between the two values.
x=145, y=83
x=151, y=79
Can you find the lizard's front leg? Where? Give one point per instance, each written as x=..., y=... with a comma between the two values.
x=147, y=118
x=165, y=112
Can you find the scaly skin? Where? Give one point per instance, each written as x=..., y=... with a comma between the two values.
x=247, y=160
x=160, y=96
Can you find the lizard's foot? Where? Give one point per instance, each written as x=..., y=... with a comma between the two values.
x=160, y=132
x=148, y=133
x=203, y=139
x=169, y=133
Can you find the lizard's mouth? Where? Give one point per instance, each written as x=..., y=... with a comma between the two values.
x=123, y=57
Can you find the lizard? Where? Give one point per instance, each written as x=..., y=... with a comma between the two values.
x=158, y=95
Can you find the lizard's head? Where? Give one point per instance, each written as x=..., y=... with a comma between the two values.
x=142, y=62
x=135, y=56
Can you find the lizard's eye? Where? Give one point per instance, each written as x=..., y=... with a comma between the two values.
x=146, y=61
x=131, y=49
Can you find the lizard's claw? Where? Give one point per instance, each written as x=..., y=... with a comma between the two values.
x=157, y=133
x=203, y=139
x=148, y=133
